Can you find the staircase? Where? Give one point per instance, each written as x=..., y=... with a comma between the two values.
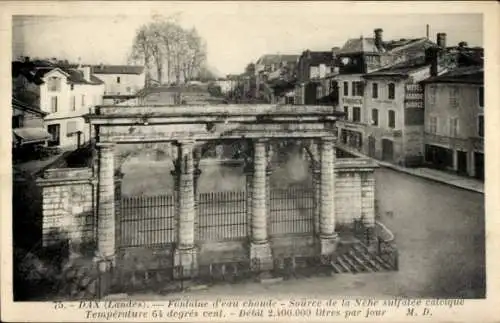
x=357, y=259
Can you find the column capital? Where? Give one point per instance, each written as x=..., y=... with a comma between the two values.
x=185, y=142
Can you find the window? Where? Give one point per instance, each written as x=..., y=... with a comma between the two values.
x=346, y=88
x=454, y=97
x=357, y=88
x=118, y=79
x=392, y=91
x=53, y=104
x=73, y=103
x=53, y=130
x=375, y=117
x=54, y=84
x=392, y=119
x=70, y=128
x=319, y=91
x=375, y=90
x=481, y=96
x=356, y=114
x=480, y=125
x=346, y=111
x=453, y=127
x=433, y=124
x=83, y=100
x=72, y=87
x=128, y=89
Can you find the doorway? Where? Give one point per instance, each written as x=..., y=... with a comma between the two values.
x=479, y=165
x=54, y=131
x=387, y=150
x=461, y=162
x=371, y=146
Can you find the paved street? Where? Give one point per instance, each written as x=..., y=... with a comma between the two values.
x=439, y=231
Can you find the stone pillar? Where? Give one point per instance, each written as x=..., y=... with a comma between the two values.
x=185, y=254
x=118, y=200
x=106, y=204
x=249, y=183
x=259, y=245
x=328, y=236
x=316, y=186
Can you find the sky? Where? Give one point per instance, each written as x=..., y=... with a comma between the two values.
x=235, y=34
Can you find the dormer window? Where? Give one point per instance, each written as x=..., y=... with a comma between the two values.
x=54, y=84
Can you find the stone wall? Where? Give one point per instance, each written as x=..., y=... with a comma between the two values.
x=68, y=206
x=355, y=193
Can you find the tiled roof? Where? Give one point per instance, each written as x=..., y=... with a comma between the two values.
x=117, y=69
x=269, y=59
x=359, y=45
x=19, y=104
x=35, y=72
x=402, y=69
x=469, y=74
x=318, y=58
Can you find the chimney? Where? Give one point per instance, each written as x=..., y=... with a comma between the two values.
x=308, y=54
x=26, y=59
x=431, y=57
x=427, y=31
x=441, y=40
x=378, y=38
x=463, y=44
x=86, y=72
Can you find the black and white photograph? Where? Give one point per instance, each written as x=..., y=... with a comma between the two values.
x=268, y=149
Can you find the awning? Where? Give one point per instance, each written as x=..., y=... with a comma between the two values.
x=31, y=135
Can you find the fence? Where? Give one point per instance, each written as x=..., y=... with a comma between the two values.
x=222, y=216
x=147, y=221
x=291, y=211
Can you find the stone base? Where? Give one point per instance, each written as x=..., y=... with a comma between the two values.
x=185, y=263
x=328, y=245
x=261, y=257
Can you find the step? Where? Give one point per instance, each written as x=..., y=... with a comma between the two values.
x=351, y=263
x=368, y=259
x=335, y=268
x=362, y=263
x=362, y=249
x=343, y=265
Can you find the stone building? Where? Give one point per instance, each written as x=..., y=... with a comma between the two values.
x=312, y=69
x=120, y=79
x=64, y=92
x=454, y=121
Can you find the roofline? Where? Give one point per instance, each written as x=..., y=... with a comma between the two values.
x=27, y=107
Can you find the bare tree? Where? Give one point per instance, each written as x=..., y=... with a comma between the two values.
x=172, y=51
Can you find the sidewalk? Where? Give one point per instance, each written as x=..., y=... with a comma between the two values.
x=463, y=182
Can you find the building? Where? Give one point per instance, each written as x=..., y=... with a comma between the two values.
x=272, y=66
x=454, y=121
x=312, y=69
x=65, y=94
x=120, y=79
x=28, y=131
x=363, y=56
x=393, y=114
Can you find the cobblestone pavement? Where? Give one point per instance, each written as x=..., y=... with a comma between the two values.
x=439, y=230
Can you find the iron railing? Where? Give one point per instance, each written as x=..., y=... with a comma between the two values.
x=148, y=221
x=291, y=211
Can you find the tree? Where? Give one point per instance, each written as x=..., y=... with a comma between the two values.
x=170, y=50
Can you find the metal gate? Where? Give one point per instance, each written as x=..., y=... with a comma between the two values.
x=222, y=216
x=147, y=221
x=291, y=211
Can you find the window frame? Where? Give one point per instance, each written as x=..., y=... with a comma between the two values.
x=454, y=128
x=354, y=110
x=393, y=113
x=375, y=90
x=83, y=100
x=73, y=103
x=346, y=88
x=393, y=87
x=479, y=133
x=374, y=120
x=118, y=80
x=54, y=107
x=346, y=111
x=54, y=84
x=433, y=124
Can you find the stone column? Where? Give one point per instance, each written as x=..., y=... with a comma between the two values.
x=328, y=236
x=196, y=178
x=106, y=204
x=118, y=200
x=316, y=186
x=259, y=245
x=185, y=254
x=249, y=183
